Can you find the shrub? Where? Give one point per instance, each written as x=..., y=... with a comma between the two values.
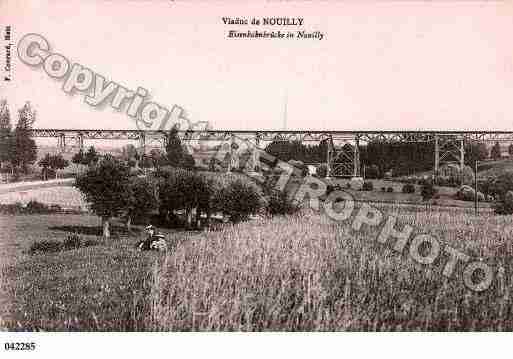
x=390, y=189
x=408, y=188
x=372, y=172
x=455, y=176
x=356, y=183
x=383, y=189
x=32, y=207
x=300, y=168
x=45, y=246
x=281, y=203
x=428, y=191
x=239, y=200
x=368, y=186
x=13, y=208
x=502, y=184
x=467, y=193
x=506, y=205
x=73, y=241
x=322, y=170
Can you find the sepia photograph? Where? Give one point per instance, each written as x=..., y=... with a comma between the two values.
x=243, y=167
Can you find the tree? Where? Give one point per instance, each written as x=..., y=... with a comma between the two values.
x=91, y=157
x=158, y=158
x=130, y=155
x=78, y=159
x=52, y=162
x=495, y=152
x=142, y=198
x=475, y=151
x=6, y=136
x=428, y=190
x=187, y=161
x=25, y=149
x=106, y=187
x=57, y=162
x=146, y=162
x=45, y=164
x=174, y=149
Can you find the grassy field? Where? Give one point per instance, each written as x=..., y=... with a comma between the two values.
x=102, y=287
x=309, y=273
x=304, y=272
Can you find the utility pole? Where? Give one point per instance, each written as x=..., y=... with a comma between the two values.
x=475, y=187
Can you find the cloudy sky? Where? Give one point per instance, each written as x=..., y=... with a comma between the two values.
x=380, y=65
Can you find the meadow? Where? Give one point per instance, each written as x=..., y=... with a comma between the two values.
x=96, y=288
x=310, y=273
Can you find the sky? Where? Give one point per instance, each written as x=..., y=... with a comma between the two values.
x=380, y=66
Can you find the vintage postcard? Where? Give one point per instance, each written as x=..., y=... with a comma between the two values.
x=264, y=166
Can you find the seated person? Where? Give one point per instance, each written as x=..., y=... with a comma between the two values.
x=154, y=241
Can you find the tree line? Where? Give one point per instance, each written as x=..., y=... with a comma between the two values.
x=397, y=158
x=17, y=149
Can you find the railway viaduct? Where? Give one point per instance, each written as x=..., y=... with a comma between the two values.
x=448, y=145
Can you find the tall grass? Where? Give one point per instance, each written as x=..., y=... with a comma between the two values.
x=307, y=272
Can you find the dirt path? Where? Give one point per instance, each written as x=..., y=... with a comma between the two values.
x=23, y=186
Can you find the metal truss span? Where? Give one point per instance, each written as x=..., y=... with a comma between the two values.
x=272, y=135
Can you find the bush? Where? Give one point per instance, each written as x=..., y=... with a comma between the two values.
x=372, y=172
x=356, y=183
x=239, y=200
x=280, y=203
x=428, y=191
x=383, y=189
x=47, y=246
x=368, y=186
x=467, y=193
x=506, y=205
x=73, y=241
x=322, y=170
x=501, y=185
x=300, y=168
x=390, y=189
x=33, y=207
x=456, y=176
x=13, y=208
x=408, y=188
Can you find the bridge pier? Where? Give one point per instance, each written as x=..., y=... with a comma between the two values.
x=344, y=161
x=61, y=143
x=255, y=158
x=329, y=155
x=80, y=140
x=142, y=144
x=356, y=157
x=449, y=149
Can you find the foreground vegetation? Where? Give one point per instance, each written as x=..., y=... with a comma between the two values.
x=308, y=273
x=102, y=286
x=300, y=272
